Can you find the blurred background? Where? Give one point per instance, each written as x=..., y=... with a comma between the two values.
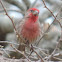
x=16, y=10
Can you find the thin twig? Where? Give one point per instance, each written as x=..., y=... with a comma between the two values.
x=58, y=59
x=46, y=31
x=57, y=54
x=20, y=52
x=8, y=42
x=51, y=23
x=6, y=53
x=39, y=56
x=17, y=34
x=1, y=48
x=55, y=49
x=51, y=13
x=41, y=50
x=32, y=50
x=60, y=26
x=8, y=15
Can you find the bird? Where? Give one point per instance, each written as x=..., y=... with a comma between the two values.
x=29, y=27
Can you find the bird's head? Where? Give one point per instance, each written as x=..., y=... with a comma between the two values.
x=33, y=14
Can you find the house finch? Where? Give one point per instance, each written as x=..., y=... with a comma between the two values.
x=29, y=28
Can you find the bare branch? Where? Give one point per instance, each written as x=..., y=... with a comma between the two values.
x=51, y=23
x=1, y=48
x=51, y=13
x=20, y=52
x=18, y=35
x=60, y=26
x=32, y=50
x=8, y=42
x=3, y=59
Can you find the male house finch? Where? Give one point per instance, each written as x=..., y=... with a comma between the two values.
x=29, y=28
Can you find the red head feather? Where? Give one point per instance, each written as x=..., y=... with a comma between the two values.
x=33, y=14
x=33, y=9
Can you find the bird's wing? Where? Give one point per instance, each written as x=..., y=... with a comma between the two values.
x=18, y=29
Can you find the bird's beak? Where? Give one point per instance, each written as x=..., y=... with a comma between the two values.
x=35, y=13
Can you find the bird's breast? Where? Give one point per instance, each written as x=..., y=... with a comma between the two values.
x=30, y=31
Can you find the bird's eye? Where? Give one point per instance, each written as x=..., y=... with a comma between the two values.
x=31, y=10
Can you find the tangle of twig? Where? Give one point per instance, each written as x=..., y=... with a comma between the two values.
x=8, y=42
x=51, y=23
x=17, y=34
x=60, y=26
x=20, y=52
